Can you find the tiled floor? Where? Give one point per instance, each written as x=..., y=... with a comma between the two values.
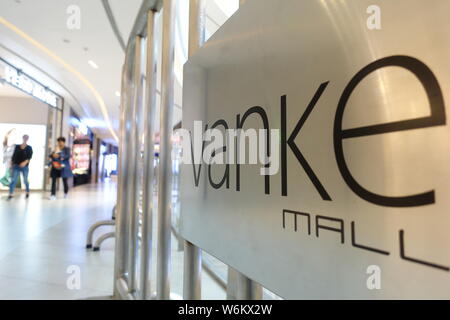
x=41, y=239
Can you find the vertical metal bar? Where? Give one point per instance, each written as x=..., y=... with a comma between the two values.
x=121, y=248
x=192, y=284
x=121, y=288
x=48, y=148
x=147, y=193
x=239, y=287
x=165, y=162
x=231, y=284
x=133, y=158
x=196, y=25
x=61, y=124
x=247, y=289
x=193, y=255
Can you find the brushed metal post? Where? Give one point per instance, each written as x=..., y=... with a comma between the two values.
x=121, y=251
x=126, y=162
x=240, y=287
x=247, y=289
x=192, y=254
x=197, y=18
x=192, y=276
x=165, y=161
x=147, y=194
x=133, y=158
x=231, y=283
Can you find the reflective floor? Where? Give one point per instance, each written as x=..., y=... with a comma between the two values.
x=43, y=241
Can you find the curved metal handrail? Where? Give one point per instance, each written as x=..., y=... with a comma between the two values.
x=102, y=238
x=98, y=224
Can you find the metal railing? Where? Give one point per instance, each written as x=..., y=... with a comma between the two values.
x=136, y=172
x=90, y=234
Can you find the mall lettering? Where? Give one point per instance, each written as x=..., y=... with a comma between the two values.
x=337, y=225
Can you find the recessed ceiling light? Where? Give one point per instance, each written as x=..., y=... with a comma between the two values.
x=118, y=93
x=93, y=64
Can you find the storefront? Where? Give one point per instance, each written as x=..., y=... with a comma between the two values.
x=28, y=107
x=81, y=141
x=108, y=158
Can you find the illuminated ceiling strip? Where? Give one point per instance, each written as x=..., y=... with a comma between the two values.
x=72, y=70
x=14, y=53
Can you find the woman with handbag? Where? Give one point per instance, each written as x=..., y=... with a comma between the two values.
x=60, y=164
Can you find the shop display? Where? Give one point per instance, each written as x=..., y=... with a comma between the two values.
x=81, y=158
x=14, y=133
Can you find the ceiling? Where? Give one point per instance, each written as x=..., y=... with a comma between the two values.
x=35, y=37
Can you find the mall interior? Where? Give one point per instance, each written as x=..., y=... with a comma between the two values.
x=61, y=69
x=135, y=217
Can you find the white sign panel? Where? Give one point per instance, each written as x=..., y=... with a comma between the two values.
x=30, y=86
x=358, y=205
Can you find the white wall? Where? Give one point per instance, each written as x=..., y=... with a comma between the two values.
x=66, y=122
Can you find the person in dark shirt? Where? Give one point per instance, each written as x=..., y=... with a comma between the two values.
x=19, y=164
x=60, y=163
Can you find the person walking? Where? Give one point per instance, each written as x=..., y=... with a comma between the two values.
x=19, y=162
x=60, y=163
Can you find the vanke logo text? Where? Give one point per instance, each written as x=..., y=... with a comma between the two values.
x=270, y=146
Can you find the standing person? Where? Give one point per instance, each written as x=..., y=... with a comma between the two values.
x=60, y=161
x=19, y=162
x=8, y=151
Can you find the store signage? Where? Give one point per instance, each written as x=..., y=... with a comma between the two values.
x=363, y=144
x=23, y=82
